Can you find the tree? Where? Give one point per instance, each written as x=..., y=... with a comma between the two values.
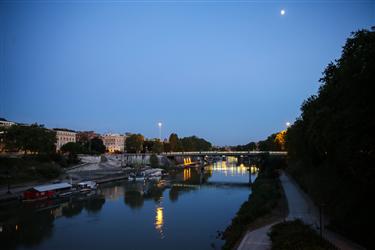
x=71, y=148
x=158, y=147
x=148, y=145
x=154, y=161
x=280, y=139
x=97, y=146
x=33, y=138
x=248, y=147
x=173, y=142
x=331, y=147
x=269, y=144
x=134, y=143
x=194, y=143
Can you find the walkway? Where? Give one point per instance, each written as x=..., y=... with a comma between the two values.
x=257, y=239
x=301, y=207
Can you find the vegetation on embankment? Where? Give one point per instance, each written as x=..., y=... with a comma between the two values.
x=33, y=167
x=331, y=147
x=297, y=235
x=265, y=196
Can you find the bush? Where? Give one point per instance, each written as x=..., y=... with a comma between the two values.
x=27, y=169
x=48, y=171
x=296, y=235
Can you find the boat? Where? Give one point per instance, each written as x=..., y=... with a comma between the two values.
x=137, y=177
x=44, y=192
x=87, y=186
x=154, y=178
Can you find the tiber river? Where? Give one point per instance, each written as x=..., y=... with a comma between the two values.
x=186, y=212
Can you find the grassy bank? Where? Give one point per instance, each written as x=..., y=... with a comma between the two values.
x=265, y=197
x=25, y=169
x=296, y=235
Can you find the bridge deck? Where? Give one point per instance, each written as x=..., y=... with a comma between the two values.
x=214, y=153
x=213, y=183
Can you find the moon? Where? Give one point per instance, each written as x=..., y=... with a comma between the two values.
x=282, y=12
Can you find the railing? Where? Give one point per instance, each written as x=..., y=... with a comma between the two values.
x=210, y=153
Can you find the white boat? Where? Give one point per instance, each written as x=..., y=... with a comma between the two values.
x=87, y=186
x=154, y=178
x=154, y=172
x=137, y=177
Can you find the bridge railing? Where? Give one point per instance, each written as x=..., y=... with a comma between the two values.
x=216, y=153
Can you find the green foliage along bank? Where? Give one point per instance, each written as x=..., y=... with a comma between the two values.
x=296, y=235
x=265, y=195
x=18, y=170
x=331, y=147
x=34, y=139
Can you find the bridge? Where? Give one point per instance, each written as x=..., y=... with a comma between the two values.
x=214, y=153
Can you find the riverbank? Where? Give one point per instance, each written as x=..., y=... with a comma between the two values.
x=264, y=206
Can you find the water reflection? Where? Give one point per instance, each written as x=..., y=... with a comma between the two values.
x=28, y=225
x=159, y=220
x=187, y=174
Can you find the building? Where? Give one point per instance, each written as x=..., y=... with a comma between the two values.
x=84, y=136
x=5, y=123
x=114, y=142
x=63, y=136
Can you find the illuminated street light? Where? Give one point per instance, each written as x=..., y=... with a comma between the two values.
x=287, y=124
x=159, y=125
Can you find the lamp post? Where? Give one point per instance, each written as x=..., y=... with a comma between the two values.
x=160, y=125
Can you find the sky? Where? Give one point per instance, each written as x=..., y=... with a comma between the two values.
x=228, y=71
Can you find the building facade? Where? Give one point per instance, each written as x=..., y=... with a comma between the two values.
x=114, y=142
x=6, y=124
x=84, y=136
x=63, y=136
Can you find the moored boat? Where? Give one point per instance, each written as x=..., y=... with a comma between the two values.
x=48, y=191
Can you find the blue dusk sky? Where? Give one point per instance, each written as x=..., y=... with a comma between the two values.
x=228, y=71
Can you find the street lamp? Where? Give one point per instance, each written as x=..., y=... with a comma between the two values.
x=287, y=124
x=159, y=125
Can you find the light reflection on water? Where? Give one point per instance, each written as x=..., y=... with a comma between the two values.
x=186, y=212
x=159, y=220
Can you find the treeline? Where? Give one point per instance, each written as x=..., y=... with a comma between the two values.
x=136, y=143
x=331, y=147
x=274, y=142
x=35, y=139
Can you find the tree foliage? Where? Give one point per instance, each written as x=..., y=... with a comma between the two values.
x=154, y=161
x=175, y=143
x=247, y=147
x=331, y=146
x=194, y=143
x=33, y=138
x=270, y=144
x=134, y=143
x=95, y=146
x=71, y=148
x=157, y=147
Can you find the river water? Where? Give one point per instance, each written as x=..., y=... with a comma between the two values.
x=186, y=211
